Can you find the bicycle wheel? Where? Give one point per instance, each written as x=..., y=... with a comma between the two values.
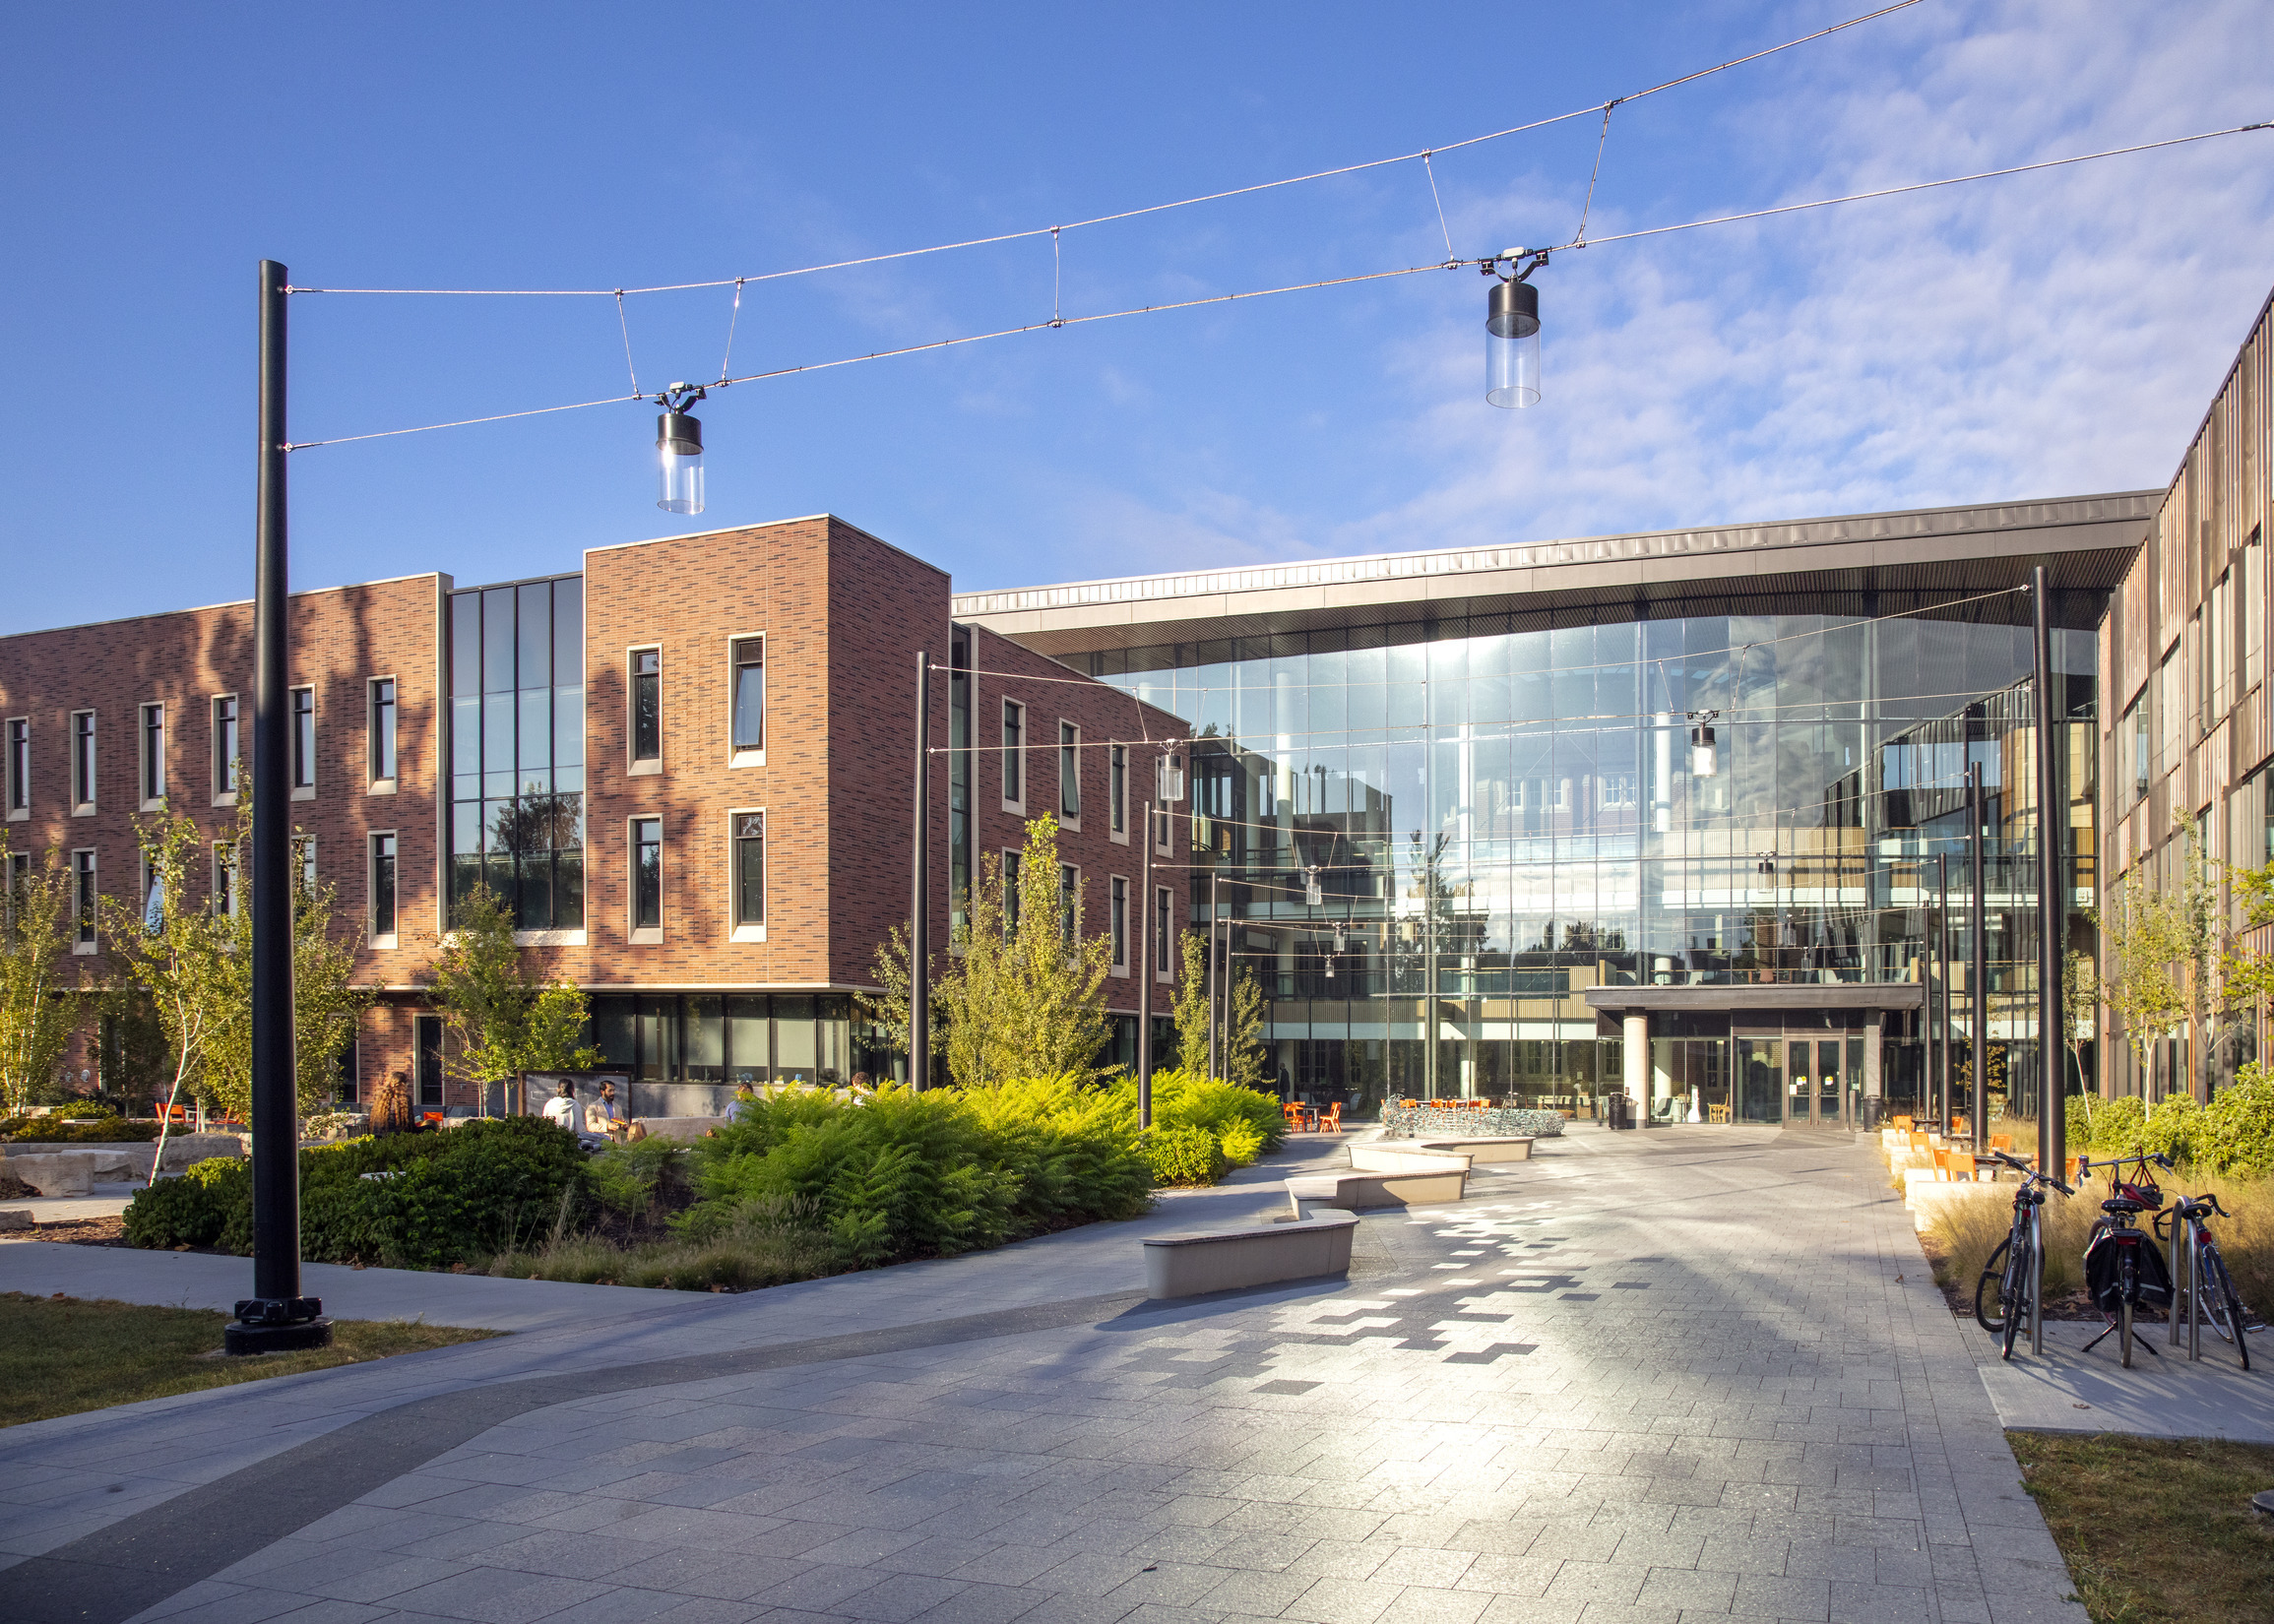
x=2014, y=1297
x=1990, y=1291
x=2224, y=1303
x=2130, y=1291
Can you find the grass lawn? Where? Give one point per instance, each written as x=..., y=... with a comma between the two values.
x=2156, y=1528
x=60, y=1356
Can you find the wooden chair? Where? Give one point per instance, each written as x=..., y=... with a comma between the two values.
x=2002, y=1142
x=1904, y=1124
x=1331, y=1122
x=1716, y=1113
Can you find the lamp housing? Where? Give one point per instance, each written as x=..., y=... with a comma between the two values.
x=1704, y=755
x=679, y=462
x=1512, y=344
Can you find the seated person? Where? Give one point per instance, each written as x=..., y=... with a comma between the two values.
x=604, y=1115
x=562, y=1108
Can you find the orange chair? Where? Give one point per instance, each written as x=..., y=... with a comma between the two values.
x=2002, y=1142
x=1963, y=1169
x=1330, y=1121
x=1904, y=1124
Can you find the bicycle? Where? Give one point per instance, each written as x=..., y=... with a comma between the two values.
x=2210, y=1291
x=2123, y=1266
x=2022, y=1251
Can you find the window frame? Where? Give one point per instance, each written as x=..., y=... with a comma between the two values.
x=737, y=929
x=383, y=940
x=1013, y=875
x=636, y=763
x=228, y=771
x=1069, y=755
x=85, y=763
x=1118, y=794
x=1164, y=922
x=639, y=935
x=1069, y=904
x=736, y=755
x=86, y=899
x=382, y=719
x=302, y=762
x=227, y=881
x=1012, y=764
x=17, y=769
x=1117, y=924
x=150, y=754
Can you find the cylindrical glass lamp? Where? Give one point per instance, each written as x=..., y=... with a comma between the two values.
x=1704, y=759
x=1512, y=344
x=680, y=459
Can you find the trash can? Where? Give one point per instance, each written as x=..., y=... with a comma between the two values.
x=1619, y=1112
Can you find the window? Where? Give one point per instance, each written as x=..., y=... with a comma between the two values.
x=2254, y=612
x=2133, y=745
x=1118, y=923
x=83, y=904
x=153, y=760
x=648, y=876
x=225, y=880
x=20, y=767
x=1162, y=903
x=750, y=724
x=1164, y=828
x=647, y=709
x=2169, y=719
x=749, y=877
x=382, y=728
x=382, y=889
x=1011, y=861
x=303, y=743
x=1014, y=757
x=82, y=761
x=228, y=755
x=1117, y=789
x=304, y=859
x=1069, y=900
x=2221, y=687
x=1069, y=774
x=19, y=876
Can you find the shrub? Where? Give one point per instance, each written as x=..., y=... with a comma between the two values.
x=2235, y=1132
x=1187, y=1156
x=765, y=1243
x=53, y=1130
x=443, y=1198
x=1243, y=1122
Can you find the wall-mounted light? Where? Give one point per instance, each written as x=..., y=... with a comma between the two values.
x=679, y=452
x=1512, y=333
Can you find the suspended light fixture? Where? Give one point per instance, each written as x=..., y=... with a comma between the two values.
x=1704, y=756
x=679, y=452
x=1339, y=937
x=1512, y=333
x=1168, y=777
x=1312, y=892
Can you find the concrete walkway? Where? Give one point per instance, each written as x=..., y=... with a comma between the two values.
x=1645, y=1378
x=2068, y=1390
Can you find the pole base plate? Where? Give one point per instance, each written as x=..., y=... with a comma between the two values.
x=239, y=1339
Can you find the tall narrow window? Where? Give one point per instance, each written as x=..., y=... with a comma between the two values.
x=19, y=877
x=304, y=739
x=228, y=755
x=2254, y=612
x=382, y=885
x=225, y=880
x=1164, y=828
x=1070, y=775
x=647, y=706
x=382, y=765
x=749, y=870
x=20, y=767
x=153, y=754
x=2169, y=722
x=2221, y=651
x=304, y=860
x=83, y=760
x=646, y=874
x=1014, y=755
x=1117, y=921
x=83, y=904
x=750, y=695
x=1161, y=903
x=1011, y=866
x=1117, y=788
x=1069, y=897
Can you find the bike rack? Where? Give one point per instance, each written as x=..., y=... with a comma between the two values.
x=2193, y=1278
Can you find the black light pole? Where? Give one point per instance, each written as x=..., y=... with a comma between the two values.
x=1145, y=964
x=1215, y=914
x=1978, y=966
x=276, y=1317
x=1942, y=949
x=2052, y=1102
x=919, y=912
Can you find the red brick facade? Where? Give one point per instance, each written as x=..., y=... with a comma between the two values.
x=842, y=616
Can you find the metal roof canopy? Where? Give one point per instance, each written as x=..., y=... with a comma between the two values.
x=1741, y=1000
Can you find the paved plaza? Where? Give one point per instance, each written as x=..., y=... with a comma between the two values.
x=1691, y=1374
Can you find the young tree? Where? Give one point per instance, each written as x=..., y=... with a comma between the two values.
x=507, y=1021
x=1025, y=993
x=2080, y=995
x=39, y=1010
x=1194, y=1011
x=327, y=1005
x=174, y=950
x=2139, y=944
x=1242, y=1055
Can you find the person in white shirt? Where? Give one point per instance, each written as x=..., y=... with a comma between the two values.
x=563, y=1108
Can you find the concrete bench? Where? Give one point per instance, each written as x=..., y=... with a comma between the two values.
x=1482, y=1151
x=1388, y=1155
x=1356, y=1190
x=1188, y=1266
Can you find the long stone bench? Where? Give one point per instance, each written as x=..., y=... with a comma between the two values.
x=1391, y=1156
x=1484, y=1151
x=1188, y=1266
x=1356, y=1192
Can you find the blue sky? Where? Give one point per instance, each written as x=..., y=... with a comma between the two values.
x=2040, y=335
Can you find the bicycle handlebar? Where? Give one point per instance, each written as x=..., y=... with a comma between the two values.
x=2028, y=1172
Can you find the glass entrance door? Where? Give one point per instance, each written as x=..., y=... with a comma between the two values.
x=1815, y=1082
x=1828, y=1074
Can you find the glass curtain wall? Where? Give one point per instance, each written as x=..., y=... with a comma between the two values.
x=517, y=748
x=1499, y=813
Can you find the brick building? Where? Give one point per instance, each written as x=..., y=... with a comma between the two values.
x=687, y=767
